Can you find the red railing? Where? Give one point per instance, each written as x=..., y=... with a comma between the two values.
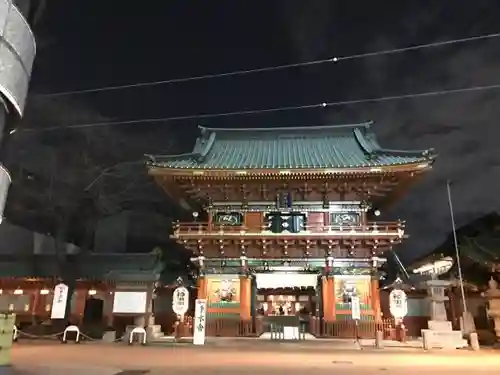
x=346, y=329
x=411, y=327
x=206, y=229
x=222, y=328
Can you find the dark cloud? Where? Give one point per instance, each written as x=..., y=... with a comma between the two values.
x=463, y=128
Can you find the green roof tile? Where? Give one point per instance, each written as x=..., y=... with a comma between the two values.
x=318, y=147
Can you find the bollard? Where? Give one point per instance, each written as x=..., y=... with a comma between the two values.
x=74, y=329
x=401, y=333
x=474, y=341
x=379, y=340
x=425, y=340
x=139, y=332
x=15, y=334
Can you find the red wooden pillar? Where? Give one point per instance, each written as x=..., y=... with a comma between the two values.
x=375, y=299
x=35, y=302
x=202, y=287
x=245, y=296
x=328, y=294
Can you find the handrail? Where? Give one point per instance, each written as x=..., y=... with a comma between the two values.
x=209, y=228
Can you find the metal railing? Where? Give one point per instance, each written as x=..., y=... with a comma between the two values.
x=207, y=229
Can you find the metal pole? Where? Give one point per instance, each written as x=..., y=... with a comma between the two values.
x=460, y=276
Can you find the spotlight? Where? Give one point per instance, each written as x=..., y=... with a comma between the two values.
x=376, y=212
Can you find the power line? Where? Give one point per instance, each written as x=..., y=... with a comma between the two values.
x=269, y=110
x=272, y=68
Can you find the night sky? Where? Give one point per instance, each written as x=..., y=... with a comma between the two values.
x=93, y=43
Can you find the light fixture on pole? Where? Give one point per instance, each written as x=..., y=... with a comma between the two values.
x=455, y=241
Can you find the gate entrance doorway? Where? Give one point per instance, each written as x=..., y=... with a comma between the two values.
x=94, y=311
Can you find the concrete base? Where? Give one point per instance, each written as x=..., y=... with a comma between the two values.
x=443, y=339
x=109, y=336
x=154, y=332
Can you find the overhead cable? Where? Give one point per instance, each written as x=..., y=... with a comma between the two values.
x=270, y=68
x=268, y=110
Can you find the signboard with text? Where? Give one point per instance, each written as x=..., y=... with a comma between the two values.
x=59, y=302
x=200, y=314
x=355, y=308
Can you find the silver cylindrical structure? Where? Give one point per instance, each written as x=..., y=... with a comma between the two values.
x=17, y=53
x=5, y=181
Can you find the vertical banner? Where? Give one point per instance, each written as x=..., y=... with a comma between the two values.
x=355, y=308
x=200, y=314
x=59, y=302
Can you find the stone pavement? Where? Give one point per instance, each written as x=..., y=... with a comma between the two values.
x=317, y=344
x=101, y=359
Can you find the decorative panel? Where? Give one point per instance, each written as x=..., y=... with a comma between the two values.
x=278, y=222
x=346, y=287
x=223, y=295
x=228, y=218
x=345, y=218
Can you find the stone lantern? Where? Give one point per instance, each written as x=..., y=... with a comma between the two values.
x=440, y=333
x=492, y=295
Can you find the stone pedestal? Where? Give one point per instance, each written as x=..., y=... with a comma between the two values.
x=440, y=333
x=154, y=332
x=493, y=297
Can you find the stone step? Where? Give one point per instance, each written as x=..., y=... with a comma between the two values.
x=154, y=331
x=437, y=325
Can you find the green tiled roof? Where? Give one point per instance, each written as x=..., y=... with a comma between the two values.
x=483, y=250
x=318, y=147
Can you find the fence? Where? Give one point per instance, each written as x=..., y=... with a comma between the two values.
x=222, y=328
x=367, y=328
x=346, y=329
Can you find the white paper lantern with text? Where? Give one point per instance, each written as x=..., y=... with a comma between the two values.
x=180, y=300
x=398, y=303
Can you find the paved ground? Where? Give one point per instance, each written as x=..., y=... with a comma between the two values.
x=109, y=359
